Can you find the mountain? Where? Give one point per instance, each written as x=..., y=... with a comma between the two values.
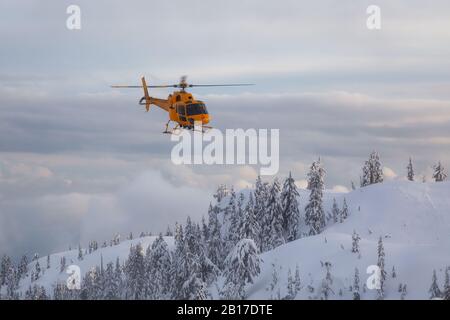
x=412, y=219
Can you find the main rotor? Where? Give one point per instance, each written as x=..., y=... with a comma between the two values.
x=183, y=85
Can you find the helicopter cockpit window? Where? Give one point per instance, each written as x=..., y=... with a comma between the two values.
x=196, y=108
x=180, y=110
x=178, y=98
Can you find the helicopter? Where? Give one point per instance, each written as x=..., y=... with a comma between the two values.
x=181, y=105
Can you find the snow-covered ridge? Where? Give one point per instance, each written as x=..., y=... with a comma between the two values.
x=412, y=218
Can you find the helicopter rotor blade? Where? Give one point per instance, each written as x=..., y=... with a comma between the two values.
x=221, y=85
x=162, y=86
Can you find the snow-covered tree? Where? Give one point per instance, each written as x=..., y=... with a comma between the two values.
x=344, y=211
x=355, y=242
x=250, y=228
x=185, y=269
x=297, y=280
x=36, y=292
x=260, y=197
x=4, y=269
x=158, y=262
x=48, y=261
x=242, y=266
x=314, y=213
x=290, y=210
x=356, y=294
x=22, y=268
x=135, y=273
x=12, y=284
x=111, y=283
x=80, y=253
x=446, y=293
x=215, y=245
x=434, y=291
x=372, y=170
x=37, y=271
x=272, y=228
x=410, y=171
x=335, y=212
x=403, y=292
x=439, y=174
x=381, y=264
x=327, y=282
x=393, y=273
x=236, y=218
x=62, y=264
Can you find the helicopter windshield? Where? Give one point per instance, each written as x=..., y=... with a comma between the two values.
x=196, y=108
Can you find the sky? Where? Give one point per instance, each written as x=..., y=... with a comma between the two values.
x=81, y=161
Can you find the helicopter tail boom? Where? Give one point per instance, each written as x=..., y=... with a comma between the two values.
x=146, y=95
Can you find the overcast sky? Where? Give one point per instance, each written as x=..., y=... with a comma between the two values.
x=81, y=161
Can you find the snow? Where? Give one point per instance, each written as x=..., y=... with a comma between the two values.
x=412, y=218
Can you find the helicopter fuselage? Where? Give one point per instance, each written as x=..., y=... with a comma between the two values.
x=182, y=107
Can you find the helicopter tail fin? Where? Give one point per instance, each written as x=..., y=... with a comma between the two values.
x=146, y=96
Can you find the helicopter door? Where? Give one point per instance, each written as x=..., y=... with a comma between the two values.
x=181, y=110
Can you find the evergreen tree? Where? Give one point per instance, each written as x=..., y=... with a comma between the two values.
x=272, y=229
x=372, y=170
x=327, y=282
x=242, y=266
x=12, y=284
x=356, y=294
x=393, y=273
x=22, y=268
x=250, y=228
x=260, y=197
x=4, y=269
x=381, y=265
x=185, y=269
x=335, y=212
x=111, y=283
x=434, y=291
x=236, y=219
x=80, y=253
x=215, y=243
x=344, y=211
x=62, y=265
x=134, y=273
x=439, y=174
x=314, y=213
x=446, y=294
x=36, y=292
x=290, y=286
x=297, y=281
x=158, y=261
x=410, y=170
x=290, y=210
x=48, y=261
x=355, y=242
x=37, y=271
x=404, y=292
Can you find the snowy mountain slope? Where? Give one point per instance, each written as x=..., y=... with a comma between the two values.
x=413, y=219
x=108, y=254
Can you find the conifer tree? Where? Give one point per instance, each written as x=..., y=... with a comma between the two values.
x=314, y=213
x=242, y=266
x=434, y=291
x=356, y=294
x=355, y=242
x=272, y=229
x=446, y=294
x=250, y=228
x=439, y=174
x=290, y=210
x=372, y=170
x=410, y=170
x=335, y=212
x=344, y=211
x=381, y=265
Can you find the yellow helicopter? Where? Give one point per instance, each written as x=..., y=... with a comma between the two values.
x=181, y=105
